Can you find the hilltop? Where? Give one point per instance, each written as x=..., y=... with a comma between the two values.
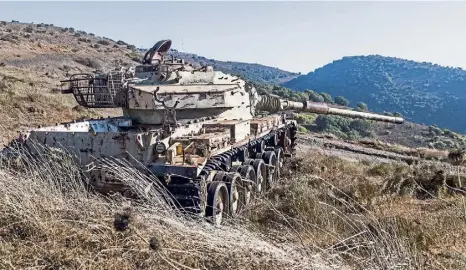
x=422, y=92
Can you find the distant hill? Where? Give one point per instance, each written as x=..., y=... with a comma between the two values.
x=422, y=92
x=254, y=72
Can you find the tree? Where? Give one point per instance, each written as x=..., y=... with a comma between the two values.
x=341, y=101
x=361, y=106
x=313, y=96
x=397, y=114
x=327, y=97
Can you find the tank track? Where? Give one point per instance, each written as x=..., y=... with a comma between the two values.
x=192, y=194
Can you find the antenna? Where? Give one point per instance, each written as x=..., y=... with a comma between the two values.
x=182, y=44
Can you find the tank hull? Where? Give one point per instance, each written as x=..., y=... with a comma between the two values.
x=195, y=152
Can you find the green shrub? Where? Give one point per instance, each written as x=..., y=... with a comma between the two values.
x=361, y=106
x=327, y=97
x=340, y=100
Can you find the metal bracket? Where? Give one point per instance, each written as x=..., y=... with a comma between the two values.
x=169, y=114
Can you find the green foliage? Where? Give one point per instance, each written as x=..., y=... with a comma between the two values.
x=306, y=118
x=280, y=91
x=361, y=106
x=344, y=127
x=313, y=96
x=302, y=129
x=327, y=97
x=339, y=100
x=397, y=114
x=421, y=92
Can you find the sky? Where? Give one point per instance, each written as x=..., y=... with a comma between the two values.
x=294, y=36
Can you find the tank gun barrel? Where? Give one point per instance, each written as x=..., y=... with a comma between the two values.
x=274, y=104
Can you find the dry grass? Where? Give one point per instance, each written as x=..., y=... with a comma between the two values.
x=51, y=221
x=358, y=211
x=422, y=152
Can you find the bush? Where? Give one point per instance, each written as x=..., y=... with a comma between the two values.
x=28, y=29
x=313, y=96
x=120, y=42
x=361, y=106
x=103, y=42
x=88, y=62
x=83, y=39
x=341, y=101
x=327, y=97
x=344, y=127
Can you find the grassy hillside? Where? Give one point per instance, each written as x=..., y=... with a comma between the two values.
x=33, y=60
x=422, y=92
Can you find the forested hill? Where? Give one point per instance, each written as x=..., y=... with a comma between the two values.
x=422, y=92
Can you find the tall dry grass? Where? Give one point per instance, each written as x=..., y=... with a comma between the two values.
x=50, y=220
x=347, y=209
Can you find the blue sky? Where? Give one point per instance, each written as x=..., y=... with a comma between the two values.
x=295, y=36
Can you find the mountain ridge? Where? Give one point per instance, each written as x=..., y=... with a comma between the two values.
x=423, y=92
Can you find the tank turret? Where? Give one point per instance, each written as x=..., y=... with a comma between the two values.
x=164, y=89
x=202, y=132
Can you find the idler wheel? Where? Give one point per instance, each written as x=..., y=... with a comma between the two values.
x=271, y=161
x=217, y=202
x=261, y=172
x=235, y=192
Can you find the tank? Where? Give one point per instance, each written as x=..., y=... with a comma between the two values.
x=207, y=136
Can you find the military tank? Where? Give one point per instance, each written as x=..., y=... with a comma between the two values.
x=208, y=136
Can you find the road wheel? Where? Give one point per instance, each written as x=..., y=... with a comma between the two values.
x=261, y=174
x=217, y=202
x=249, y=182
x=280, y=161
x=271, y=161
x=235, y=192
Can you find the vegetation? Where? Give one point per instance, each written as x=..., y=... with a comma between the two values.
x=423, y=92
x=368, y=212
x=51, y=220
x=339, y=100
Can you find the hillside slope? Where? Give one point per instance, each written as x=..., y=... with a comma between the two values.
x=422, y=92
